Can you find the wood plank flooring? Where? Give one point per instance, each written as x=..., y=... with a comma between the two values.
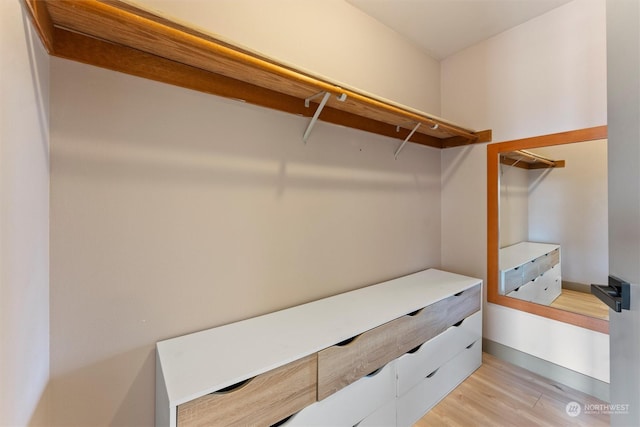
x=581, y=302
x=501, y=394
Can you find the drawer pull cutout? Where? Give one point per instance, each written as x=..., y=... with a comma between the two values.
x=282, y=421
x=458, y=323
x=458, y=294
x=413, y=350
x=374, y=373
x=471, y=345
x=432, y=373
x=233, y=387
x=415, y=313
x=347, y=341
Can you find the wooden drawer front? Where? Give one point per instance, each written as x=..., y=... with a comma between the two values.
x=413, y=367
x=546, y=262
x=352, y=404
x=265, y=399
x=531, y=271
x=341, y=365
x=420, y=399
x=385, y=416
x=540, y=265
x=511, y=279
x=434, y=319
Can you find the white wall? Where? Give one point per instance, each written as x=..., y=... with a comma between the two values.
x=569, y=206
x=514, y=205
x=328, y=37
x=544, y=76
x=24, y=219
x=174, y=211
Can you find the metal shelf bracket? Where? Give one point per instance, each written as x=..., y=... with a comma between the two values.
x=395, y=155
x=325, y=97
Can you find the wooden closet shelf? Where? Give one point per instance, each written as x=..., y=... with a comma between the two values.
x=528, y=160
x=121, y=37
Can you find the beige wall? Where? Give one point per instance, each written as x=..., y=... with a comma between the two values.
x=544, y=76
x=514, y=205
x=24, y=219
x=569, y=206
x=174, y=211
x=328, y=37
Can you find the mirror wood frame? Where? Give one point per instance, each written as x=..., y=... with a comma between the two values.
x=493, y=225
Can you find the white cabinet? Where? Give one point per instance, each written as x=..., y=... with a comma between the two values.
x=531, y=272
x=352, y=404
x=412, y=405
x=416, y=365
x=339, y=361
x=429, y=373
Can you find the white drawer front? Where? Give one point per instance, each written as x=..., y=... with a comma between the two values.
x=526, y=292
x=414, y=367
x=531, y=271
x=385, y=416
x=415, y=403
x=352, y=404
x=543, y=290
x=550, y=286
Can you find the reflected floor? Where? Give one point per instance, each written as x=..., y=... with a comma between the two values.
x=581, y=302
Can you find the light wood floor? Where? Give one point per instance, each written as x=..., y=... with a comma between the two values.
x=581, y=302
x=500, y=394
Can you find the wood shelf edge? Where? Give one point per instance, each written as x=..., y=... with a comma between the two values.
x=180, y=71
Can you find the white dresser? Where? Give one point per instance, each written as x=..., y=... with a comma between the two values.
x=531, y=271
x=381, y=355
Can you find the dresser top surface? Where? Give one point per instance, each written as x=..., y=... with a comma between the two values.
x=199, y=363
x=516, y=255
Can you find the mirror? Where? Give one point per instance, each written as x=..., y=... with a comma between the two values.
x=547, y=225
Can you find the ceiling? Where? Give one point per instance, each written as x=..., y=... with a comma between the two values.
x=444, y=27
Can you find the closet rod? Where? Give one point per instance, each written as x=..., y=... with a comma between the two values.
x=537, y=158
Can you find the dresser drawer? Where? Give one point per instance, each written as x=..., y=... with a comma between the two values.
x=434, y=319
x=413, y=367
x=550, y=286
x=511, y=279
x=420, y=399
x=343, y=364
x=547, y=261
x=264, y=399
x=543, y=289
x=526, y=292
x=352, y=404
x=385, y=416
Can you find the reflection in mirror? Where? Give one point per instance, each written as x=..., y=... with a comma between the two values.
x=553, y=225
x=547, y=234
